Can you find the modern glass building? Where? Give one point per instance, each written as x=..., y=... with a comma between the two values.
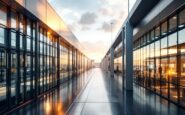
x=159, y=58
x=152, y=49
x=37, y=52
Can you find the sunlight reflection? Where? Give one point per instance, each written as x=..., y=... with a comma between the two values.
x=56, y=109
x=48, y=107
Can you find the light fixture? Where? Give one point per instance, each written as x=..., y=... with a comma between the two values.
x=180, y=26
x=174, y=18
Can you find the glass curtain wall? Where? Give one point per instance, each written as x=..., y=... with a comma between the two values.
x=3, y=62
x=23, y=42
x=63, y=62
x=159, y=60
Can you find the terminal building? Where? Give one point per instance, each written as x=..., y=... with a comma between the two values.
x=44, y=68
x=37, y=52
x=149, y=49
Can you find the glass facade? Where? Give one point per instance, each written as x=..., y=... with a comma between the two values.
x=33, y=58
x=118, y=65
x=159, y=63
x=118, y=59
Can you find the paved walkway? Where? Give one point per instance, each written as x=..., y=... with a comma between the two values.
x=102, y=95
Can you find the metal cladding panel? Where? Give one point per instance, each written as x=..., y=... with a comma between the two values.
x=38, y=8
x=43, y=11
x=53, y=20
x=138, y=30
x=21, y=2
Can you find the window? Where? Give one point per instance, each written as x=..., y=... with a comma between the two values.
x=164, y=28
x=172, y=23
x=182, y=18
x=182, y=78
x=33, y=30
x=3, y=75
x=28, y=28
x=41, y=48
x=172, y=75
x=152, y=35
x=3, y=15
x=28, y=44
x=33, y=45
x=172, y=44
x=41, y=34
x=157, y=32
x=181, y=40
x=164, y=46
x=22, y=76
x=21, y=24
x=157, y=65
x=13, y=39
x=13, y=20
x=148, y=37
x=152, y=65
x=21, y=41
x=2, y=35
x=28, y=73
x=13, y=73
x=182, y=81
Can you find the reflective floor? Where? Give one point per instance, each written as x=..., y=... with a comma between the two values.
x=102, y=95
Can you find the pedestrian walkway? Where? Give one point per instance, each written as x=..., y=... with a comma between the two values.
x=96, y=93
x=104, y=96
x=100, y=97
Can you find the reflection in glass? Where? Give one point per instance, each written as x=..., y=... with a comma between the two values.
x=164, y=28
x=13, y=78
x=164, y=76
x=181, y=40
x=2, y=35
x=152, y=66
x=157, y=32
x=21, y=41
x=3, y=15
x=152, y=35
x=172, y=44
x=13, y=39
x=2, y=76
x=172, y=23
x=158, y=67
x=21, y=24
x=164, y=50
x=21, y=77
x=28, y=29
x=13, y=20
x=182, y=81
x=28, y=73
x=28, y=44
x=172, y=72
x=118, y=65
x=182, y=18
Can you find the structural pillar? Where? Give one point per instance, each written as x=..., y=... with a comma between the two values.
x=112, y=62
x=128, y=57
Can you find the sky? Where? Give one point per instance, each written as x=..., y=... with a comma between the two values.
x=90, y=21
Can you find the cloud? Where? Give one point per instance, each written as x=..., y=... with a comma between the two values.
x=88, y=18
x=106, y=11
x=85, y=28
x=108, y=26
x=74, y=26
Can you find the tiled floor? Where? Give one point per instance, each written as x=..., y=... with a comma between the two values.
x=102, y=95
